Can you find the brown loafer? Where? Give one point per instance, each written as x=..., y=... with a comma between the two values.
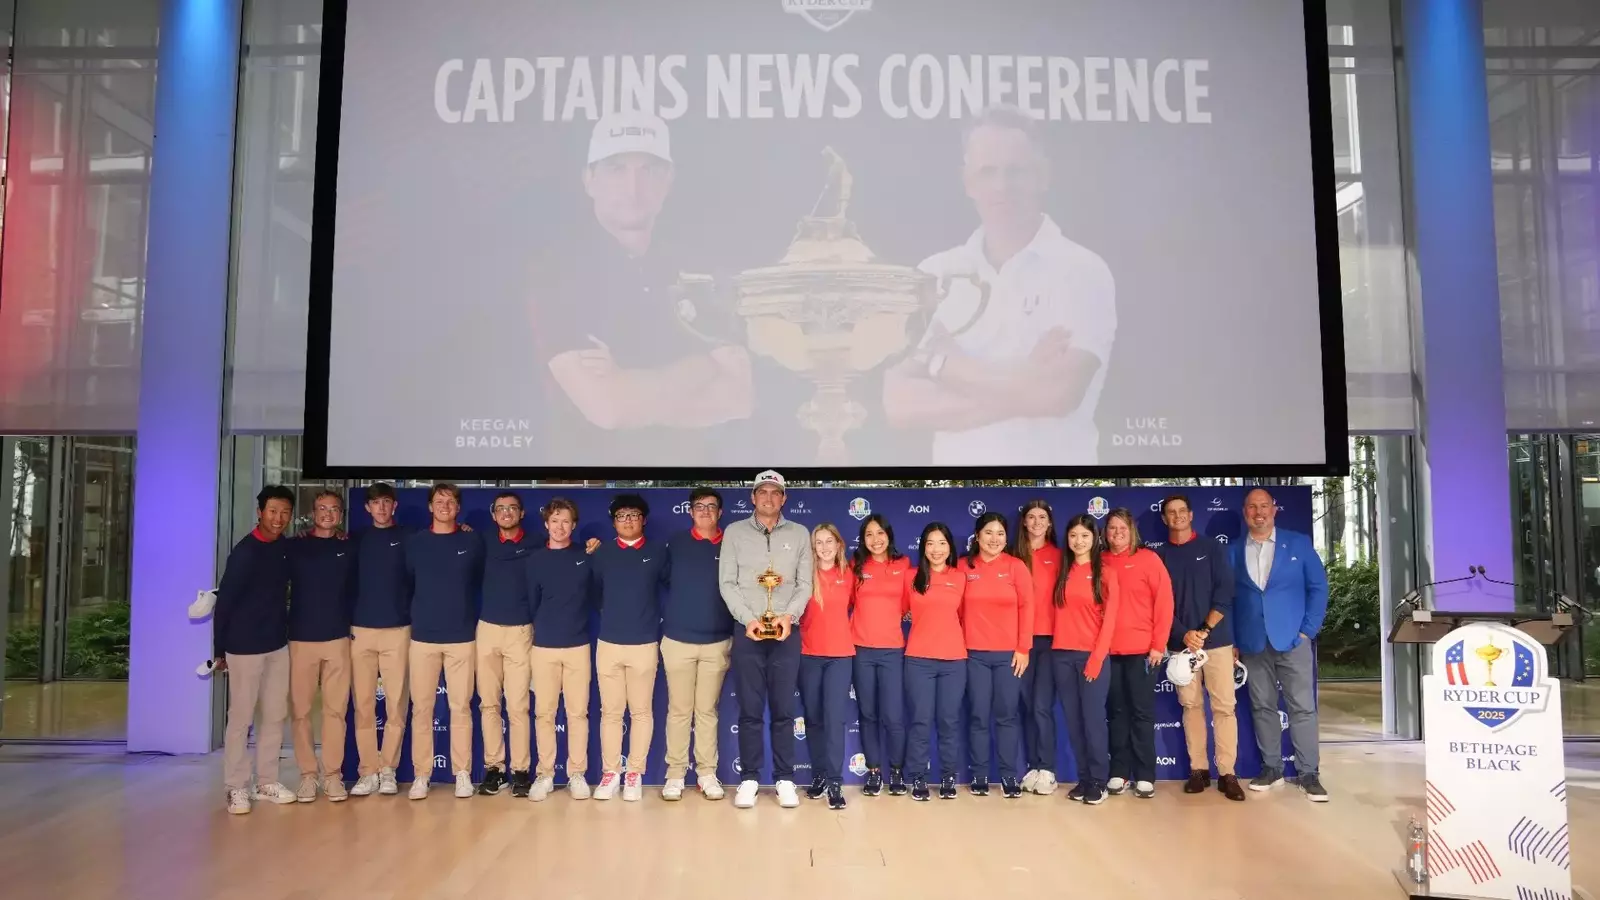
x=1230, y=788
x=1199, y=780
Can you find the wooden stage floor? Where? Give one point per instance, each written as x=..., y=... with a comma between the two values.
x=81, y=826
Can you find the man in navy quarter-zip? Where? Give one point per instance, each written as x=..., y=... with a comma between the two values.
x=697, y=636
x=320, y=582
x=628, y=576
x=560, y=588
x=380, y=641
x=504, y=636
x=445, y=565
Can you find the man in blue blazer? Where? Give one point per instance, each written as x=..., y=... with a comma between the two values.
x=1278, y=608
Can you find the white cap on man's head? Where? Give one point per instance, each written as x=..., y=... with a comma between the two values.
x=629, y=132
x=768, y=477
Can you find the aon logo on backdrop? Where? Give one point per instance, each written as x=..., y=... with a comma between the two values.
x=919, y=508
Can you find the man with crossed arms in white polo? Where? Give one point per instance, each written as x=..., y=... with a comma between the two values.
x=1027, y=374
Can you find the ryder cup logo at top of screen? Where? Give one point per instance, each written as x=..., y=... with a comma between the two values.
x=826, y=15
x=1493, y=673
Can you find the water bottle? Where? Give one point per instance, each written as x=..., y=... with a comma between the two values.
x=1417, y=858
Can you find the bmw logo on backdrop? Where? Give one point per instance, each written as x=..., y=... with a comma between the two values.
x=977, y=508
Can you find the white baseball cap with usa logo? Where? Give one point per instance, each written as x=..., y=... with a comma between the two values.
x=769, y=477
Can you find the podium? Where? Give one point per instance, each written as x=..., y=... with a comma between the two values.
x=1495, y=792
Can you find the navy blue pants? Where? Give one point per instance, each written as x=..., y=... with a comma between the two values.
x=766, y=674
x=881, y=695
x=1084, y=704
x=1131, y=711
x=993, y=692
x=1039, y=706
x=935, y=688
x=825, y=693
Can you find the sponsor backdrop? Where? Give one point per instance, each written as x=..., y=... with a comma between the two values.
x=1217, y=513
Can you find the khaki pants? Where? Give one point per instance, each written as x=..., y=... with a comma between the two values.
x=379, y=653
x=627, y=676
x=327, y=663
x=426, y=661
x=503, y=661
x=561, y=672
x=694, y=687
x=1214, y=678
x=253, y=677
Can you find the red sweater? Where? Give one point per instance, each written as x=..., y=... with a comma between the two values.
x=1046, y=566
x=825, y=626
x=1082, y=624
x=1144, y=620
x=936, y=617
x=882, y=599
x=997, y=606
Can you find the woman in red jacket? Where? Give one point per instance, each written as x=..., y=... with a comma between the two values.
x=881, y=601
x=936, y=667
x=826, y=651
x=997, y=620
x=1138, y=644
x=1035, y=544
x=1086, y=614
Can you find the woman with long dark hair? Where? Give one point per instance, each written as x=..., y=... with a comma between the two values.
x=1086, y=599
x=1138, y=644
x=881, y=600
x=936, y=669
x=997, y=620
x=826, y=649
x=1034, y=543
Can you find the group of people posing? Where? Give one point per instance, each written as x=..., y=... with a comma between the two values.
x=1008, y=622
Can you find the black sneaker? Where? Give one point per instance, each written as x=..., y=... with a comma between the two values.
x=919, y=787
x=1011, y=788
x=493, y=781
x=897, y=782
x=1312, y=785
x=947, y=787
x=521, y=784
x=1267, y=780
x=817, y=787
x=835, y=794
x=874, y=785
x=1078, y=790
x=1094, y=794
x=979, y=786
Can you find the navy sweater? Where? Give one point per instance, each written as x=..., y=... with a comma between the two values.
x=629, y=586
x=694, y=612
x=505, y=580
x=252, y=613
x=320, y=579
x=1202, y=581
x=383, y=589
x=560, y=591
x=446, y=571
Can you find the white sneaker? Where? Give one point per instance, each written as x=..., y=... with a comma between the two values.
x=364, y=786
x=578, y=787
x=788, y=797
x=239, y=801
x=1046, y=783
x=333, y=788
x=1030, y=780
x=608, y=786
x=632, y=792
x=419, y=789
x=386, y=781
x=745, y=796
x=711, y=788
x=541, y=789
x=275, y=792
x=673, y=789
x=1116, y=785
x=308, y=789
x=463, y=785
x=1144, y=790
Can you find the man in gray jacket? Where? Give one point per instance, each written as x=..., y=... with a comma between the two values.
x=766, y=670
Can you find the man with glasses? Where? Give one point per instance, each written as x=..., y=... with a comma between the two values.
x=697, y=638
x=1202, y=593
x=628, y=575
x=504, y=637
x=320, y=568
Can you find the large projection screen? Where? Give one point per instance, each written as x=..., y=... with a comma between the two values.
x=914, y=238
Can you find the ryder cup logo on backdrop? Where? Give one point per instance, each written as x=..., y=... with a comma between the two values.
x=1098, y=507
x=858, y=764
x=859, y=508
x=799, y=728
x=1494, y=674
x=826, y=15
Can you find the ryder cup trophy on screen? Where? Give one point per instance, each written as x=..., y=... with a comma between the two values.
x=831, y=311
